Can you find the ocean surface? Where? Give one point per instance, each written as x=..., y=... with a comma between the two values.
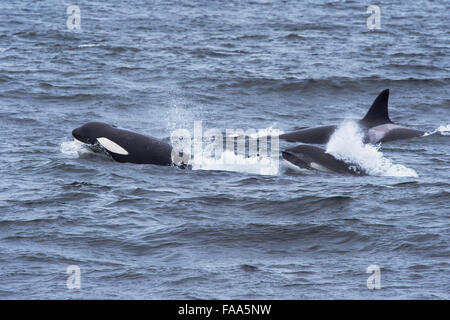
x=153, y=232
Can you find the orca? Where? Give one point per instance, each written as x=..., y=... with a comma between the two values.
x=311, y=157
x=376, y=124
x=123, y=145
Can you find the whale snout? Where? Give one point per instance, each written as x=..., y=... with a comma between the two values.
x=77, y=134
x=296, y=159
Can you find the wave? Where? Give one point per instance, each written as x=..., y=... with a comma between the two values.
x=76, y=149
x=326, y=83
x=347, y=144
x=89, y=45
x=442, y=130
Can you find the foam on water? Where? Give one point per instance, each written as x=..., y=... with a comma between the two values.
x=71, y=148
x=197, y=147
x=443, y=130
x=75, y=149
x=347, y=144
x=229, y=161
x=253, y=163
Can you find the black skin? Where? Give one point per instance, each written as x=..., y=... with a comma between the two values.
x=303, y=155
x=141, y=149
x=377, y=115
x=319, y=135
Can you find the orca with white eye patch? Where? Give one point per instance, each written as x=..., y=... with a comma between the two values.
x=123, y=145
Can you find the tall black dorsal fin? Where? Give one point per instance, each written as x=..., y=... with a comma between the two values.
x=378, y=112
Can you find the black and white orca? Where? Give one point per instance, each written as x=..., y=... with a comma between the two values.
x=376, y=125
x=123, y=145
x=310, y=157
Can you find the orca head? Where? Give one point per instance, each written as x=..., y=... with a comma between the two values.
x=295, y=160
x=299, y=156
x=378, y=113
x=90, y=132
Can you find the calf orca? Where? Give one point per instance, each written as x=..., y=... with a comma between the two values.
x=376, y=124
x=310, y=157
x=123, y=145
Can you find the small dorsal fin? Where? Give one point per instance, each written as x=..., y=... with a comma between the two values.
x=378, y=112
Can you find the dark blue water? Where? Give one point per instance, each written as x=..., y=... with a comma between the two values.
x=143, y=231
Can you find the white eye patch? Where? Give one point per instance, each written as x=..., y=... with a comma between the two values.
x=111, y=146
x=319, y=167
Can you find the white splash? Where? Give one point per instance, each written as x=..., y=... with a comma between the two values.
x=252, y=163
x=75, y=149
x=229, y=161
x=346, y=144
x=71, y=148
x=443, y=130
x=179, y=114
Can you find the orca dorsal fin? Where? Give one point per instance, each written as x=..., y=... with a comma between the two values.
x=378, y=112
